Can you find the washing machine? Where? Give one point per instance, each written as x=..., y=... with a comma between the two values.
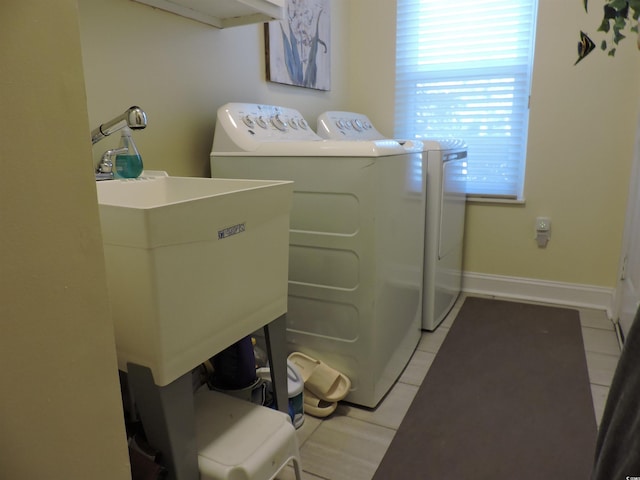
x=356, y=240
x=444, y=163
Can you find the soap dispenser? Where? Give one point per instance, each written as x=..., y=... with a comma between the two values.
x=129, y=164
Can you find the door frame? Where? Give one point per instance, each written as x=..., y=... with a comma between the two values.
x=633, y=203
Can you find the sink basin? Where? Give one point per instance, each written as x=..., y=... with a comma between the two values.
x=193, y=265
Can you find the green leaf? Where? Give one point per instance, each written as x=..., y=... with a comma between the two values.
x=618, y=36
x=603, y=45
x=604, y=26
x=620, y=23
x=612, y=52
x=618, y=4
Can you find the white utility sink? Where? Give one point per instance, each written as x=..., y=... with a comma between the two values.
x=193, y=265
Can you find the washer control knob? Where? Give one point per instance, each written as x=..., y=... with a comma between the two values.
x=303, y=124
x=248, y=121
x=262, y=123
x=357, y=125
x=278, y=122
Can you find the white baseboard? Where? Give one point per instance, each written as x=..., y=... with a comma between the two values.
x=534, y=290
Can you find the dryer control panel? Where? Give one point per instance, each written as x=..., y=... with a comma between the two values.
x=347, y=126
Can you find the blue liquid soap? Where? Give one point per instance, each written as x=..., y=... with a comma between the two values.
x=128, y=166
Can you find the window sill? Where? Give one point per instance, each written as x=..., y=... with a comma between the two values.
x=495, y=200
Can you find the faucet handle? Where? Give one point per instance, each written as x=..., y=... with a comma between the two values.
x=105, y=167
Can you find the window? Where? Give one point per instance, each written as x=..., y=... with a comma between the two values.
x=464, y=71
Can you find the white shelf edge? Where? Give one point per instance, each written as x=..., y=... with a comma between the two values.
x=248, y=11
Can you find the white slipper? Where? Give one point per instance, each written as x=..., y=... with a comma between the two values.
x=316, y=406
x=320, y=379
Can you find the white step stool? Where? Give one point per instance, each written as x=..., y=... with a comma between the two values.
x=239, y=440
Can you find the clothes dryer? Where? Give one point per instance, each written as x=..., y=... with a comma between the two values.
x=443, y=174
x=356, y=240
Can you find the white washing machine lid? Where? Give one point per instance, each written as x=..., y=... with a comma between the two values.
x=313, y=148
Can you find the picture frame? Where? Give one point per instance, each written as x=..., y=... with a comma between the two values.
x=298, y=48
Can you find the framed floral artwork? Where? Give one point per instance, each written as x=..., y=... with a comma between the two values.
x=298, y=48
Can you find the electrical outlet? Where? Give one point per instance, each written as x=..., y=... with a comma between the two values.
x=543, y=224
x=543, y=231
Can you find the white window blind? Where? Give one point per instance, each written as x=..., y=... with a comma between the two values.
x=463, y=70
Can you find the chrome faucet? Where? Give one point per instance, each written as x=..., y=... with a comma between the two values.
x=134, y=118
x=105, y=167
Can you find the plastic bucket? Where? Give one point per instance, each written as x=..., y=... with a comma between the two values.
x=295, y=392
x=255, y=393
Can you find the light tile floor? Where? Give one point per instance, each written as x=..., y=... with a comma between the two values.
x=350, y=444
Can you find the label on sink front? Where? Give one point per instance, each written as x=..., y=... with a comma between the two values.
x=231, y=231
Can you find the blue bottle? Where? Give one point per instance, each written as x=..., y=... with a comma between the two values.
x=128, y=165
